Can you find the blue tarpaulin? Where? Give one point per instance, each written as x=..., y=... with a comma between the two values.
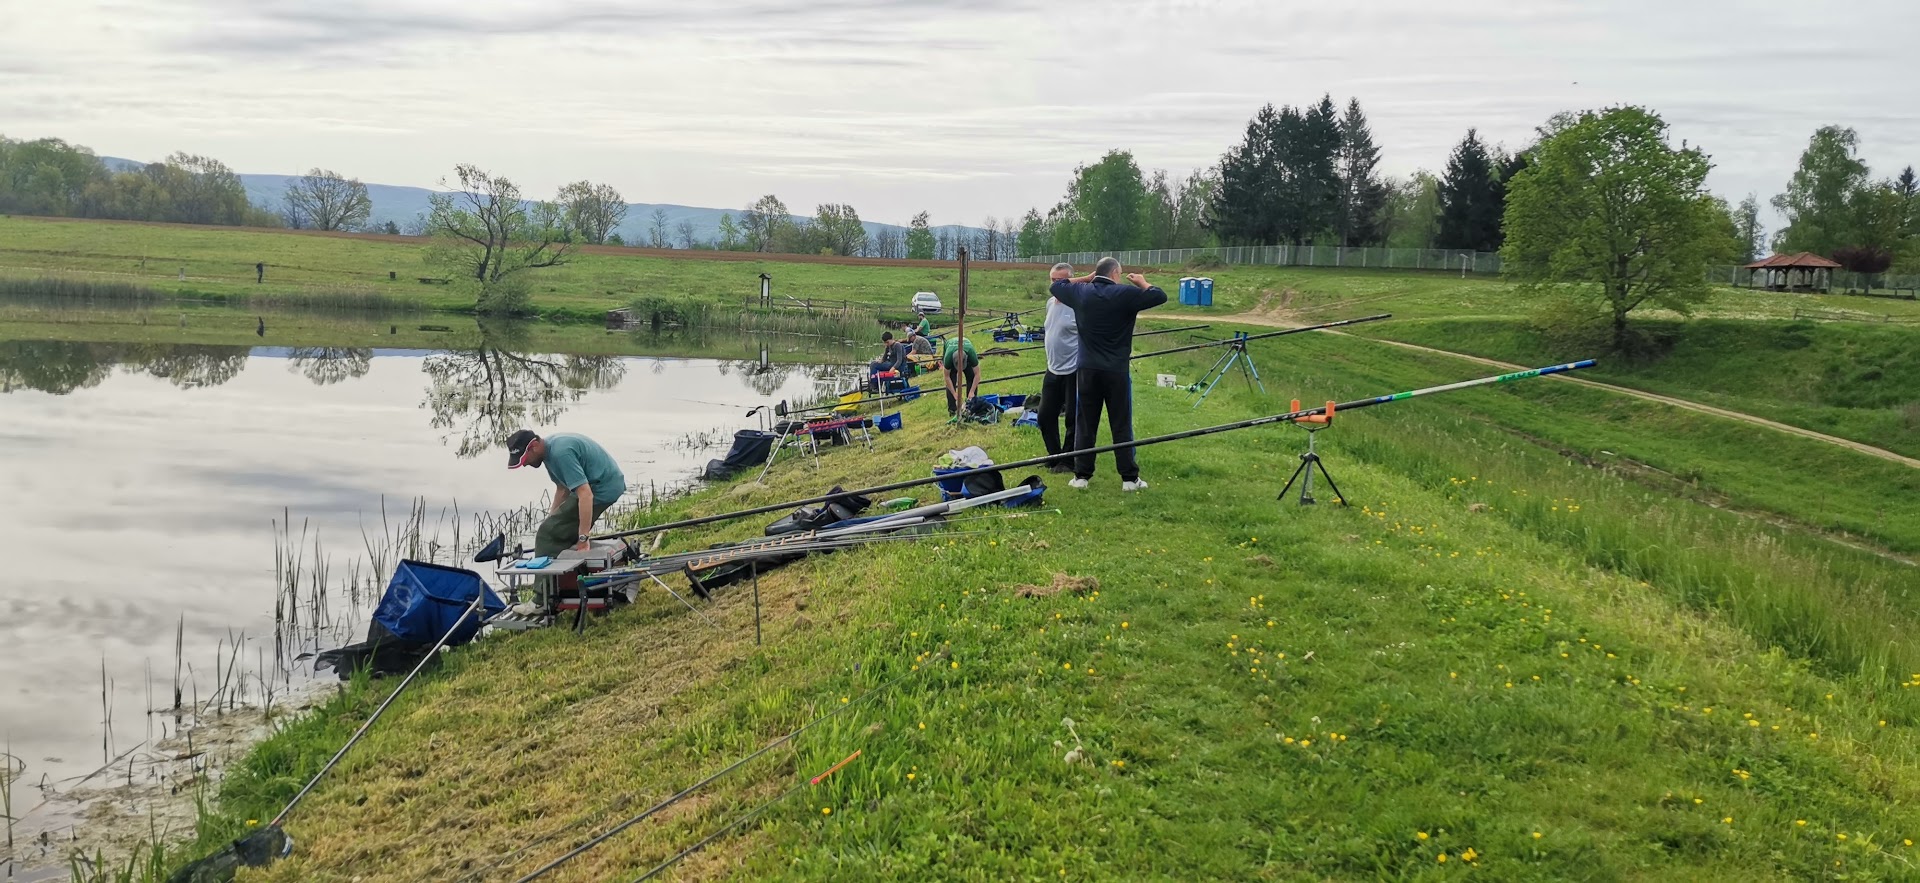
x=424, y=600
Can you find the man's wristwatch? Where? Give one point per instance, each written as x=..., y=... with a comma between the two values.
x=582, y=539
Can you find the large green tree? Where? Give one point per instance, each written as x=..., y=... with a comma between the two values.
x=1749, y=236
x=1610, y=211
x=1471, y=198
x=1413, y=211
x=837, y=229
x=1034, y=238
x=1110, y=196
x=920, y=239
x=1817, y=200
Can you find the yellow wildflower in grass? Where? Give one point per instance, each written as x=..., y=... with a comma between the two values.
x=843, y=700
x=912, y=776
x=1907, y=842
x=1443, y=858
x=1727, y=821
x=1126, y=625
x=923, y=725
x=1469, y=855
x=1697, y=801
x=1305, y=742
x=253, y=822
x=826, y=810
x=1419, y=835
x=1801, y=822
x=1537, y=835
x=1842, y=835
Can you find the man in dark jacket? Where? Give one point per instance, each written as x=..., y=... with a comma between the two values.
x=1105, y=311
x=894, y=358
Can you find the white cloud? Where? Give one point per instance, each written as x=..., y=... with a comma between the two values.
x=966, y=108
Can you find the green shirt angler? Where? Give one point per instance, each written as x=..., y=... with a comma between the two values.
x=574, y=460
x=972, y=360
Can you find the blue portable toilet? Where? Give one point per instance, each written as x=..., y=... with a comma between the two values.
x=1203, y=292
x=1188, y=297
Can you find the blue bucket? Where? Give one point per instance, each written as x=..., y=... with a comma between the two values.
x=909, y=394
x=888, y=422
x=951, y=488
x=425, y=602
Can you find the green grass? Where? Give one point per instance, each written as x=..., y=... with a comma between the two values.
x=1571, y=673
x=1856, y=381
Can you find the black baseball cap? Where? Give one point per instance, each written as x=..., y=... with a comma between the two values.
x=517, y=447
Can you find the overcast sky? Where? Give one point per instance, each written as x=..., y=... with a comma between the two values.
x=962, y=107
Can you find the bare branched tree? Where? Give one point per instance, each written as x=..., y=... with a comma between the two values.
x=593, y=211
x=488, y=233
x=657, y=230
x=686, y=234
x=326, y=200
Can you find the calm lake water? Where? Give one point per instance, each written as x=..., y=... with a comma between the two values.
x=143, y=481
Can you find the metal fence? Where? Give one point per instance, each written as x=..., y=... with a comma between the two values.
x=1297, y=256
x=1484, y=262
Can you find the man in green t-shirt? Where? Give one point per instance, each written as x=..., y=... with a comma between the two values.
x=585, y=482
x=960, y=373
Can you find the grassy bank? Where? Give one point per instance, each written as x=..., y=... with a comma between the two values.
x=1854, y=380
x=1499, y=661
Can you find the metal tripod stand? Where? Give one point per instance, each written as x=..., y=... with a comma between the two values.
x=1310, y=460
x=1236, y=354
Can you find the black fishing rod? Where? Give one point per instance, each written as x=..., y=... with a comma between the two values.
x=946, y=328
x=996, y=351
x=1178, y=349
x=1212, y=343
x=1288, y=417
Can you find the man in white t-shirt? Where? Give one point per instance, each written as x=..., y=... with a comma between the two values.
x=1057, y=391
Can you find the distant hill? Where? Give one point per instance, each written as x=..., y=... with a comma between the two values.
x=402, y=205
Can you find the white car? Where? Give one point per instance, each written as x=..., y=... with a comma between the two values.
x=925, y=302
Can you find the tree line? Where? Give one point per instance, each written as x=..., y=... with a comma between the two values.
x=1310, y=176
x=53, y=178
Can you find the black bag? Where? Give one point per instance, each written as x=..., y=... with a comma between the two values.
x=982, y=484
x=840, y=507
x=750, y=447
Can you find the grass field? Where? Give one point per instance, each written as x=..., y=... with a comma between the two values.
x=1501, y=661
x=1854, y=380
x=323, y=269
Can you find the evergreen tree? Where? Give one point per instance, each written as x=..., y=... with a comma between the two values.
x=1311, y=158
x=1242, y=204
x=1748, y=235
x=1363, y=196
x=1471, y=199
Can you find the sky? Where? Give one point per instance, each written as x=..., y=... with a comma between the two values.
x=963, y=108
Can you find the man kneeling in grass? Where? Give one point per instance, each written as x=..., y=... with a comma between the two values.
x=585, y=482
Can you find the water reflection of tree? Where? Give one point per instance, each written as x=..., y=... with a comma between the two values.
x=54, y=366
x=326, y=365
x=189, y=366
x=62, y=367
x=481, y=395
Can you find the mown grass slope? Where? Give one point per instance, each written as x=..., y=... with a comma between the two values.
x=1498, y=661
x=1854, y=380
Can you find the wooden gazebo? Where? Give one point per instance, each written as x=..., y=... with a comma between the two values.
x=1805, y=271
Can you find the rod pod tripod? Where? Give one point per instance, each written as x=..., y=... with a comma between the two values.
x=1236, y=353
x=1311, y=460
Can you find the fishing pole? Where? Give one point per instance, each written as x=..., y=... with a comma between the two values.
x=577, y=851
x=1179, y=349
x=750, y=816
x=1002, y=315
x=1213, y=343
x=1288, y=417
x=998, y=351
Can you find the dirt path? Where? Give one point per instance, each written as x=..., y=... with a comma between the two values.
x=1266, y=316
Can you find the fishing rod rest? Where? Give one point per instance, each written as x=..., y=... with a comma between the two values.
x=1311, y=459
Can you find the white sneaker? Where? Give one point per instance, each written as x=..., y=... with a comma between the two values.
x=1138, y=484
x=1079, y=484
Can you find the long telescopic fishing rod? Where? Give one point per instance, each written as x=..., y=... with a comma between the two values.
x=1288, y=417
x=996, y=351
x=1178, y=349
x=945, y=328
x=1212, y=343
